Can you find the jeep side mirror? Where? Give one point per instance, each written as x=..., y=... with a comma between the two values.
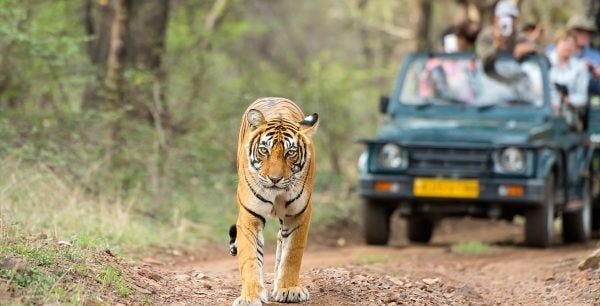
x=384, y=101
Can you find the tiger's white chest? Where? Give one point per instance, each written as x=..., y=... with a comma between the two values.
x=287, y=203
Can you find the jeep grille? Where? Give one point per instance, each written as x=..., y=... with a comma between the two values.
x=450, y=162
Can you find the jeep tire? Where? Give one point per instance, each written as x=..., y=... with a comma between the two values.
x=595, y=194
x=539, y=220
x=577, y=225
x=376, y=222
x=596, y=218
x=419, y=229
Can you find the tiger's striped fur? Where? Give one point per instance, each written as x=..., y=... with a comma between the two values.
x=276, y=170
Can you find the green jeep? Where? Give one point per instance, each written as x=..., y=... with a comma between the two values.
x=461, y=140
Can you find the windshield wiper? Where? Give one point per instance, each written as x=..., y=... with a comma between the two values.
x=426, y=103
x=443, y=99
x=510, y=102
x=486, y=106
x=518, y=101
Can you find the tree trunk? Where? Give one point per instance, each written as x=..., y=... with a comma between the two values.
x=424, y=25
x=97, y=21
x=135, y=49
x=113, y=80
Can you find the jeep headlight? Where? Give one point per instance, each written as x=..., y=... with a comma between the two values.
x=363, y=162
x=511, y=160
x=392, y=157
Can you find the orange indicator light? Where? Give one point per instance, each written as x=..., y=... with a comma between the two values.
x=383, y=186
x=511, y=190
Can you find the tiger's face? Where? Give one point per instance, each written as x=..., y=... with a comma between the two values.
x=278, y=150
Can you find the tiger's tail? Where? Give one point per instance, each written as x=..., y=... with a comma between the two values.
x=232, y=236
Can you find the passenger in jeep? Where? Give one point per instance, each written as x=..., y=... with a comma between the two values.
x=502, y=36
x=568, y=73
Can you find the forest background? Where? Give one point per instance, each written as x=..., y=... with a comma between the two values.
x=119, y=118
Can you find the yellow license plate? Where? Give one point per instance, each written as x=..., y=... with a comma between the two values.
x=446, y=188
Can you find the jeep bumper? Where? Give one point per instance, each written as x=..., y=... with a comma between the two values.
x=502, y=191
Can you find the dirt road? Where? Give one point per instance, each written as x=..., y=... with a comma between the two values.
x=401, y=274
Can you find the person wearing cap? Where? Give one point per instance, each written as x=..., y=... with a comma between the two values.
x=501, y=36
x=584, y=28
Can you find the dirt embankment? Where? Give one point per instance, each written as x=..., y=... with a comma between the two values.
x=401, y=274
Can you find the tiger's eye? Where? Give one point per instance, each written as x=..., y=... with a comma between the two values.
x=263, y=150
x=291, y=152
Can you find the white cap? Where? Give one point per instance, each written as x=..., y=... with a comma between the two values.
x=506, y=8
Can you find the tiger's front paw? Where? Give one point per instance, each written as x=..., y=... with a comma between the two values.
x=291, y=295
x=241, y=301
x=244, y=302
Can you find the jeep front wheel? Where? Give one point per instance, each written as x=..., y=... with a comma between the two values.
x=376, y=217
x=596, y=218
x=539, y=220
x=595, y=195
x=577, y=225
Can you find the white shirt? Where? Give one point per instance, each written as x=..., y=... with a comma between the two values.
x=574, y=75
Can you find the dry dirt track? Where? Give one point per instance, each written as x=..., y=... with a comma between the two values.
x=400, y=274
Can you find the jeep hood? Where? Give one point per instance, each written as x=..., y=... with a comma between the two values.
x=466, y=131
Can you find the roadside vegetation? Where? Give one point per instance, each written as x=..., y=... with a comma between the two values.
x=41, y=270
x=472, y=247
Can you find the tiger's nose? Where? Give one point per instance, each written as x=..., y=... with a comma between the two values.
x=275, y=179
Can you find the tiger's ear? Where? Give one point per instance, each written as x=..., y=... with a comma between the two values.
x=255, y=118
x=309, y=124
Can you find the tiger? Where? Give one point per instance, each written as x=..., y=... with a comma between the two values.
x=276, y=172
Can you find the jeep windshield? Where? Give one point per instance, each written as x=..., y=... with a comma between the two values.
x=461, y=80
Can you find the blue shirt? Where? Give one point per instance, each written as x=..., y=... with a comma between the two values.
x=591, y=55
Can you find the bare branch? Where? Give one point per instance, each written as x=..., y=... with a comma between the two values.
x=213, y=19
x=215, y=15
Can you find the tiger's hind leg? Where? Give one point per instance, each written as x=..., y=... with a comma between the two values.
x=291, y=241
x=250, y=243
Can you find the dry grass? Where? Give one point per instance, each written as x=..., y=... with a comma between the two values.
x=39, y=201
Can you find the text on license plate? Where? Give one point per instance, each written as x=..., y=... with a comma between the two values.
x=446, y=188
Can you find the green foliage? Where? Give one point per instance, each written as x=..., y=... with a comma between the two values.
x=39, y=48
x=39, y=271
x=32, y=278
x=111, y=276
x=39, y=256
x=471, y=247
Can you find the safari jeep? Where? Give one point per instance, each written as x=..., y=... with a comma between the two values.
x=461, y=140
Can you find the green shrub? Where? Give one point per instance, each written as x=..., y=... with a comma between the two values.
x=472, y=247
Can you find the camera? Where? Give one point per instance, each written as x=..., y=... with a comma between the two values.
x=506, y=26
